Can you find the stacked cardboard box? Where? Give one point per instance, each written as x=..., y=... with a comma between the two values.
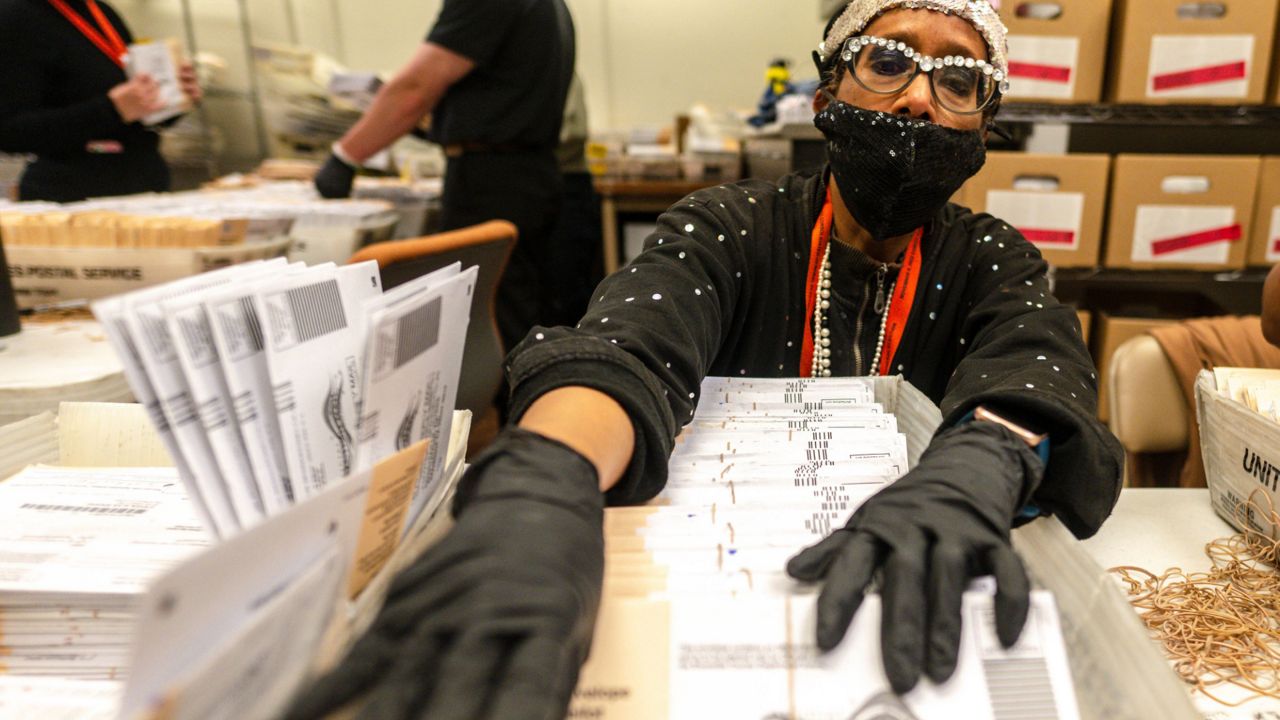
x=1055, y=201
x=1181, y=212
x=1058, y=50
x=1174, y=51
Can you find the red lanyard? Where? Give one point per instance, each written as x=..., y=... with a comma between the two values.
x=108, y=41
x=904, y=292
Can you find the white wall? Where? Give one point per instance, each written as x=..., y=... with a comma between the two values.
x=642, y=61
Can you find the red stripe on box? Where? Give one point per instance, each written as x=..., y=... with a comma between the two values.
x=1035, y=71
x=1048, y=237
x=1275, y=246
x=1231, y=233
x=1202, y=76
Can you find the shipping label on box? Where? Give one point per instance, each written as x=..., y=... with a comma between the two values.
x=1043, y=66
x=1050, y=220
x=1200, y=66
x=1273, y=238
x=1185, y=234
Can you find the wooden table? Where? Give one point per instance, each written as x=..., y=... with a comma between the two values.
x=643, y=196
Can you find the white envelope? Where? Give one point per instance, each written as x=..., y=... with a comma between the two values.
x=237, y=335
x=313, y=325
x=412, y=364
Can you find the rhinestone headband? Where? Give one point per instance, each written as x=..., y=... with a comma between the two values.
x=855, y=44
x=978, y=13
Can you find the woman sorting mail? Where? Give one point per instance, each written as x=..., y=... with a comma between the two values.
x=861, y=269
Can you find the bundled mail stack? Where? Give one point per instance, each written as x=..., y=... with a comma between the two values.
x=77, y=550
x=270, y=381
x=188, y=219
x=696, y=591
x=1256, y=388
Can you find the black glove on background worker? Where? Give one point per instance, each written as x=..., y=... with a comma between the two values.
x=496, y=620
x=335, y=178
x=939, y=526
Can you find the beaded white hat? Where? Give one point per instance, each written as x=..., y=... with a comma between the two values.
x=979, y=13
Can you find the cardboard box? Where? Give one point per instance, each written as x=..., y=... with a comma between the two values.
x=1264, y=243
x=43, y=275
x=1057, y=57
x=1175, y=51
x=1056, y=201
x=1190, y=212
x=1241, y=450
x=1086, y=320
x=1112, y=332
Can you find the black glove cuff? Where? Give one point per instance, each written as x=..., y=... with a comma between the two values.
x=525, y=464
x=991, y=445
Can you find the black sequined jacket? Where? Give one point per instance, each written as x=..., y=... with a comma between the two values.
x=719, y=290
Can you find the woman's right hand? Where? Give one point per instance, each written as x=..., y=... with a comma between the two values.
x=136, y=98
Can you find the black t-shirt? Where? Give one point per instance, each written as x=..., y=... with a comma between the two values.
x=524, y=55
x=54, y=104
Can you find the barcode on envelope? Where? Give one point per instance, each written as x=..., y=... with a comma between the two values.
x=1018, y=682
x=91, y=509
x=158, y=338
x=195, y=333
x=240, y=325
x=1020, y=689
x=417, y=332
x=316, y=310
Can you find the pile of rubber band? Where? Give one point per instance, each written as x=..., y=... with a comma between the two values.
x=1221, y=626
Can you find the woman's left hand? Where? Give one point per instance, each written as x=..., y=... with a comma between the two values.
x=190, y=83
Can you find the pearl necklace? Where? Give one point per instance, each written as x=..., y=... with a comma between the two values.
x=821, y=365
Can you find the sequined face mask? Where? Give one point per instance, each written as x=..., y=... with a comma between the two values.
x=895, y=173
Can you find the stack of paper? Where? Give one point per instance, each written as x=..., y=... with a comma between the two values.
x=192, y=624
x=28, y=442
x=700, y=619
x=1256, y=388
x=78, y=548
x=50, y=362
x=58, y=699
x=269, y=382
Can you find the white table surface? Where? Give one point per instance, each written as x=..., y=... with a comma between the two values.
x=1158, y=529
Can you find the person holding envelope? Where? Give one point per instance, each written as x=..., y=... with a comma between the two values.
x=65, y=98
x=863, y=268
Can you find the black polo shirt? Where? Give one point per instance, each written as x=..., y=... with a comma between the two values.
x=524, y=55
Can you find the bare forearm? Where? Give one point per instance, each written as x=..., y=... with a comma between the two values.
x=591, y=423
x=395, y=111
x=1271, y=307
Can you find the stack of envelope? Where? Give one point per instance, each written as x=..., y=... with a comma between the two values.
x=1256, y=388
x=699, y=617
x=79, y=548
x=270, y=381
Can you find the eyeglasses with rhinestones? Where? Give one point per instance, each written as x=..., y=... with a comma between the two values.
x=961, y=85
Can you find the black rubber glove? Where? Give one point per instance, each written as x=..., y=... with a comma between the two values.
x=496, y=620
x=940, y=525
x=335, y=178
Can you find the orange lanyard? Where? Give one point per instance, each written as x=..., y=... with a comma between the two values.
x=904, y=292
x=108, y=41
